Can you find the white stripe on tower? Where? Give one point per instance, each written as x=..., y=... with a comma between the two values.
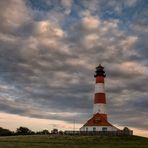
x=99, y=87
x=101, y=108
x=100, y=99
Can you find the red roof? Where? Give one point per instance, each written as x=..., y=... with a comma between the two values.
x=97, y=120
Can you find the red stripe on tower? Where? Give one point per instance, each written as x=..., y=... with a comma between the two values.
x=99, y=79
x=100, y=98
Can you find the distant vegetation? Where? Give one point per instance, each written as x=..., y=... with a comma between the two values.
x=5, y=132
x=24, y=131
x=26, y=138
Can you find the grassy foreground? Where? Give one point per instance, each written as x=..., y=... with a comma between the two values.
x=73, y=142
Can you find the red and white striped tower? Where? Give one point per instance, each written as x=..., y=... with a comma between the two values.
x=99, y=122
x=99, y=98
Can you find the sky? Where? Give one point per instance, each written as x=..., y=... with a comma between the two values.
x=48, y=53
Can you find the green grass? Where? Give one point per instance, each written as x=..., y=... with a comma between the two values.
x=73, y=142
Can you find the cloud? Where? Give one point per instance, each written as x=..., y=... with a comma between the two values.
x=108, y=7
x=90, y=22
x=14, y=15
x=67, y=4
x=139, y=27
x=47, y=66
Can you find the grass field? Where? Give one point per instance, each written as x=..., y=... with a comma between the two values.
x=73, y=142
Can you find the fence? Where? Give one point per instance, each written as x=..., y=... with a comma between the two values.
x=101, y=133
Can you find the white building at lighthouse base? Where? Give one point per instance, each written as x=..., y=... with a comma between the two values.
x=98, y=123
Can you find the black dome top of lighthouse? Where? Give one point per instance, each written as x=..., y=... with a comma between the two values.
x=100, y=71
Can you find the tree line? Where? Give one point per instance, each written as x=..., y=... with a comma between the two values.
x=26, y=131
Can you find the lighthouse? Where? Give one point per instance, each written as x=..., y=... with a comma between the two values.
x=99, y=97
x=99, y=120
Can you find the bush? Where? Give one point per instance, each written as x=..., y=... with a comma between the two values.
x=5, y=132
x=54, y=131
x=24, y=131
x=44, y=132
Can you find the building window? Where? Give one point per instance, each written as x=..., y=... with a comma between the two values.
x=86, y=128
x=104, y=129
x=94, y=129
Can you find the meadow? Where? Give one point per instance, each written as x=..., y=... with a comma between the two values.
x=55, y=141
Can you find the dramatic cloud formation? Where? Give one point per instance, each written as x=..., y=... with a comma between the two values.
x=49, y=51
